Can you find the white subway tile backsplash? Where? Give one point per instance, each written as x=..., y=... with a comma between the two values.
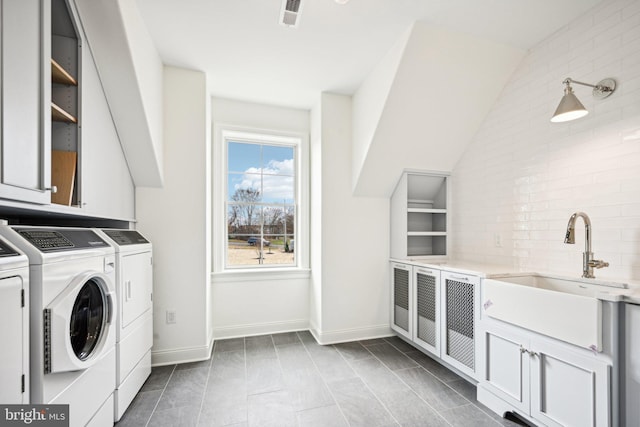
x=522, y=176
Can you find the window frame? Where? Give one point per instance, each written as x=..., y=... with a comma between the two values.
x=225, y=134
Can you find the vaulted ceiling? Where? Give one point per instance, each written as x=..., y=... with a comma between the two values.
x=248, y=56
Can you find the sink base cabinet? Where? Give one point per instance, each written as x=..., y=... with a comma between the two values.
x=543, y=380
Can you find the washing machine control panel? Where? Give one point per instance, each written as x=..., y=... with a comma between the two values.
x=43, y=239
x=126, y=237
x=5, y=250
x=60, y=240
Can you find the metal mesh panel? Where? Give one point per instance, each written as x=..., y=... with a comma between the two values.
x=426, y=308
x=401, y=288
x=401, y=298
x=460, y=322
x=401, y=318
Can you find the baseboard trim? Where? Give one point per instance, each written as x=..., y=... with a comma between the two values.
x=352, y=334
x=181, y=355
x=260, y=329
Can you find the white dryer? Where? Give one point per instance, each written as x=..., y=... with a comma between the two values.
x=134, y=324
x=14, y=318
x=72, y=316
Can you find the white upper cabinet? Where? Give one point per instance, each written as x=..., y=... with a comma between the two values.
x=25, y=173
x=107, y=187
x=57, y=127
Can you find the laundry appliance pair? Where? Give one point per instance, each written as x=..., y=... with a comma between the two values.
x=75, y=316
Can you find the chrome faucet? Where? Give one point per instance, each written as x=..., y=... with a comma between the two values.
x=588, y=263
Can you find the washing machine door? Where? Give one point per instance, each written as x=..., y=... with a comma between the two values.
x=78, y=323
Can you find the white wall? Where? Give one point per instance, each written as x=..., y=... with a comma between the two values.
x=266, y=301
x=176, y=218
x=131, y=73
x=522, y=176
x=441, y=91
x=315, y=234
x=351, y=236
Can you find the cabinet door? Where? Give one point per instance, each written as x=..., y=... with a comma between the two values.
x=137, y=282
x=107, y=188
x=568, y=389
x=506, y=370
x=25, y=155
x=631, y=380
x=460, y=306
x=401, y=299
x=426, y=283
x=14, y=337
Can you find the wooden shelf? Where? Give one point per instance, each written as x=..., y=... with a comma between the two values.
x=60, y=75
x=63, y=174
x=59, y=115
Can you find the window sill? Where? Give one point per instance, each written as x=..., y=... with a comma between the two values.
x=264, y=274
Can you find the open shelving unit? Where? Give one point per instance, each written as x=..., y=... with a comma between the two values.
x=65, y=104
x=419, y=216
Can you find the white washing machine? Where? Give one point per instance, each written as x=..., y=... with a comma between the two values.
x=134, y=324
x=72, y=317
x=14, y=318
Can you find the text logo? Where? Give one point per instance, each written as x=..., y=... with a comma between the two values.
x=34, y=415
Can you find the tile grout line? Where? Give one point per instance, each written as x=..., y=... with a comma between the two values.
x=405, y=383
x=246, y=378
x=443, y=382
x=206, y=384
x=324, y=381
x=161, y=394
x=284, y=387
x=367, y=385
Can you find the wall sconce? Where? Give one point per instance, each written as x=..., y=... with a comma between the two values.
x=570, y=108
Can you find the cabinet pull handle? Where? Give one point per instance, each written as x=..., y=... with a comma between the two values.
x=53, y=189
x=425, y=271
x=462, y=278
x=529, y=352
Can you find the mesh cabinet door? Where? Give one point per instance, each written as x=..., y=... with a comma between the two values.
x=427, y=326
x=401, y=300
x=460, y=302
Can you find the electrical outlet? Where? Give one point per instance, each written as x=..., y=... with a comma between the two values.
x=171, y=317
x=497, y=240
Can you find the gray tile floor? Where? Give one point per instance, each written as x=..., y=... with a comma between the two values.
x=288, y=379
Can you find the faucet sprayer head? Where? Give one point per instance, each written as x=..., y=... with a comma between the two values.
x=570, y=237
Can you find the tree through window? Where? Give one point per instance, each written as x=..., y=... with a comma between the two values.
x=261, y=204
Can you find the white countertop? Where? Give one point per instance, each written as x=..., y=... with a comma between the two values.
x=463, y=267
x=630, y=295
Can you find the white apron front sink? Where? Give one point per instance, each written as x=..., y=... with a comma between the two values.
x=566, y=309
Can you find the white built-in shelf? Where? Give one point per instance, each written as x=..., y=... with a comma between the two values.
x=426, y=233
x=421, y=201
x=426, y=210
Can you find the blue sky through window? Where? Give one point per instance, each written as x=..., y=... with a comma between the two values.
x=268, y=168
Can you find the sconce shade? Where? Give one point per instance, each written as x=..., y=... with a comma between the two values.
x=570, y=108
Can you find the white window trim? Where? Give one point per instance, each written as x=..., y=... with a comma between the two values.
x=223, y=132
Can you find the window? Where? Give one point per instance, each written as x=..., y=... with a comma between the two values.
x=261, y=200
